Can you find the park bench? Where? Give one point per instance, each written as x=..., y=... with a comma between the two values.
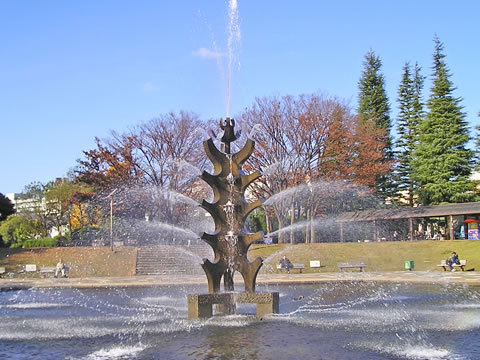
x=299, y=267
x=343, y=266
x=444, y=265
x=45, y=270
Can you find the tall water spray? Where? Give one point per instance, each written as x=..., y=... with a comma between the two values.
x=234, y=37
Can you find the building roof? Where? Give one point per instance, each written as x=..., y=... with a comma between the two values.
x=472, y=208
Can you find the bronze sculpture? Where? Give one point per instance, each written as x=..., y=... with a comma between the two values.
x=230, y=242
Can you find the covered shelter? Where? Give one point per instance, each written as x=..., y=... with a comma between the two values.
x=469, y=211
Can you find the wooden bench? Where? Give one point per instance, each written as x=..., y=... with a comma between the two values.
x=343, y=266
x=299, y=267
x=444, y=265
x=45, y=270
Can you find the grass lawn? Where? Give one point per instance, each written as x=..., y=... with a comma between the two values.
x=82, y=261
x=379, y=256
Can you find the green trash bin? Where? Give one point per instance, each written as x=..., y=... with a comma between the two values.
x=409, y=265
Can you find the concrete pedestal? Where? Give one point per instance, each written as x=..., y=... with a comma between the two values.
x=200, y=305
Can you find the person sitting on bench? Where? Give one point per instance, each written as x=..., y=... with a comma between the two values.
x=453, y=259
x=286, y=264
x=60, y=268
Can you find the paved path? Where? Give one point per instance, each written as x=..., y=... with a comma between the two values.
x=468, y=277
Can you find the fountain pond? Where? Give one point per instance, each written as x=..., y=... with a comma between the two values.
x=335, y=320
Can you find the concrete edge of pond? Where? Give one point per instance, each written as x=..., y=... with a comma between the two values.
x=470, y=277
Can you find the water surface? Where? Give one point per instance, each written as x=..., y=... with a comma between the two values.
x=340, y=320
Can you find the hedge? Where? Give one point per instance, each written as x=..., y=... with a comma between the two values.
x=32, y=243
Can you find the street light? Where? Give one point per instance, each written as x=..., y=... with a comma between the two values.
x=111, y=216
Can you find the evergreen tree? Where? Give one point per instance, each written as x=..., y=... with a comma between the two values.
x=477, y=148
x=410, y=115
x=441, y=160
x=373, y=107
x=6, y=207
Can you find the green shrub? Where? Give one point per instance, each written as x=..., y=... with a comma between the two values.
x=257, y=221
x=62, y=240
x=29, y=243
x=46, y=242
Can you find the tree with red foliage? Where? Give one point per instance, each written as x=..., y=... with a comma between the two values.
x=311, y=139
x=147, y=163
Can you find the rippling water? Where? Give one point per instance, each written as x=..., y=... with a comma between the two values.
x=342, y=320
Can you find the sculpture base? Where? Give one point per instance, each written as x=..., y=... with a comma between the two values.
x=201, y=305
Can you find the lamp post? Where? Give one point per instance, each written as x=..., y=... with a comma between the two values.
x=111, y=217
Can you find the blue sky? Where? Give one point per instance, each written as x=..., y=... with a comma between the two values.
x=74, y=70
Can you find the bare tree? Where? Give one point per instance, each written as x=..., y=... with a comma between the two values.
x=148, y=165
x=307, y=140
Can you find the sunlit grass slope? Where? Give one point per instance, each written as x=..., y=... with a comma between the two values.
x=380, y=256
x=82, y=261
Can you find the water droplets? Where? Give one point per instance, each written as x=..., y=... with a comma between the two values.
x=233, y=42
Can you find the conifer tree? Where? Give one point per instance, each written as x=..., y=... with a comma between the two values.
x=477, y=148
x=441, y=159
x=410, y=115
x=374, y=107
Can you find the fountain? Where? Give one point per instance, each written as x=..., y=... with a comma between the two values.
x=337, y=318
x=230, y=242
x=334, y=319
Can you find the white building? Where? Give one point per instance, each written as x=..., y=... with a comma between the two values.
x=33, y=207
x=27, y=205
